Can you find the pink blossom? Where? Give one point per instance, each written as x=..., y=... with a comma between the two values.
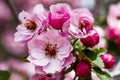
x=90, y=39
x=41, y=77
x=59, y=14
x=50, y=51
x=112, y=32
x=70, y=75
x=79, y=21
x=55, y=76
x=108, y=60
x=113, y=17
x=31, y=24
x=82, y=68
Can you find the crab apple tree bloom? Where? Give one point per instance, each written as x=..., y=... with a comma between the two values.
x=55, y=76
x=82, y=68
x=59, y=14
x=41, y=77
x=70, y=75
x=50, y=51
x=90, y=39
x=113, y=18
x=108, y=60
x=80, y=20
x=30, y=24
x=112, y=32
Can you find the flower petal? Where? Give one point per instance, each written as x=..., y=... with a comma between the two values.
x=38, y=10
x=39, y=62
x=23, y=16
x=53, y=66
x=37, y=53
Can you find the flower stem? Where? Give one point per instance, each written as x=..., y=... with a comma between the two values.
x=74, y=42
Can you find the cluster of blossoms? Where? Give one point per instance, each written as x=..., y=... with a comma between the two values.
x=113, y=20
x=52, y=38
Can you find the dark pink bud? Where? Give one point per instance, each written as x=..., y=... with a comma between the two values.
x=85, y=22
x=58, y=15
x=112, y=33
x=90, y=39
x=108, y=60
x=82, y=69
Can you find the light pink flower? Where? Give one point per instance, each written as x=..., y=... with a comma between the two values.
x=79, y=21
x=112, y=32
x=59, y=14
x=50, y=52
x=113, y=17
x=31, y=24
x=55, y=76
x=70, y=75
x=41, y=77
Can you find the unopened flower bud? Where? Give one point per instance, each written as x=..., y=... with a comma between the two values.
x=108, y=60
x=91, y=39
x=58, y=15
x=82, y=69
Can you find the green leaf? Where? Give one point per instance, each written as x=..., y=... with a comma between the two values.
x=99, y=50
x=86, y=78
x=101, y=74
x=4, y=75
x=24, y=60
x=94, y=58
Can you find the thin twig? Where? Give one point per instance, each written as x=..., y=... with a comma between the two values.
x=13, y=9
x=75, y=78
x=74, y=42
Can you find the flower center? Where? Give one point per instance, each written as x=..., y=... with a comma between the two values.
x=84, y=23
x=50, y=50
x=31, y=25
x=42, y=77
x=118, y=17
